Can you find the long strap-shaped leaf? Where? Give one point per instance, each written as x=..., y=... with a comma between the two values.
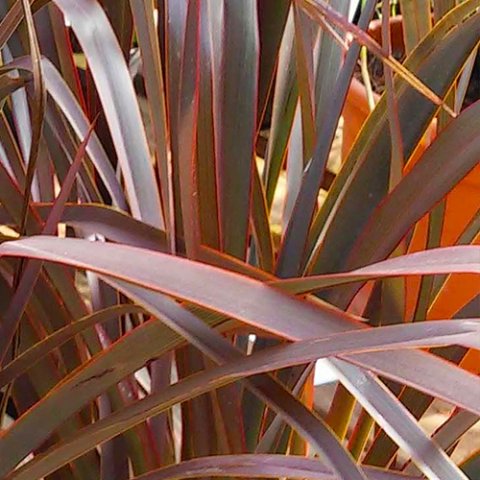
x=403, y=428
x=67, y=102
x=363, y=181
x=153, y=73
x=272, y=16
x=454, y=153
x=32, y=355
x=401, y=425
x=460, y=259
x=31, y=271
x=248, y=300
x=295, y=238
x=115, y=88
x=266, y=387
x=37, y=115
x=12, y=20
x=319, y=8
x=274, y=358
x=221, y=351
x=236, y=122
x=266, y=466
x=187, y=131
x=96, y=218
x=192, y=336
x=283, y=109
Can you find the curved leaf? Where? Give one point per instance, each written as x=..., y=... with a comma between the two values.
x=461, y=259
x=266, y=466
x=249, y=301
x=263, y=361
x=113, y=224
x=12, y=20
x=115, y=88
x=70, y=107
x=29, y=357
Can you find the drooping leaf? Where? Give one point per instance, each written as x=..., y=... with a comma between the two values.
x=115, y=88
x=66, y=101
x=267, y=466
x=264, y=312
x=154, y=404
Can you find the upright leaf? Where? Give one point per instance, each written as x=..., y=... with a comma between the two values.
x=237, y=118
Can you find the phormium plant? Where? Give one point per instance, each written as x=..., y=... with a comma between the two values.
x=158, y=317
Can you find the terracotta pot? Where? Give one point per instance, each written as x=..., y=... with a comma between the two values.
x=462, y=202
